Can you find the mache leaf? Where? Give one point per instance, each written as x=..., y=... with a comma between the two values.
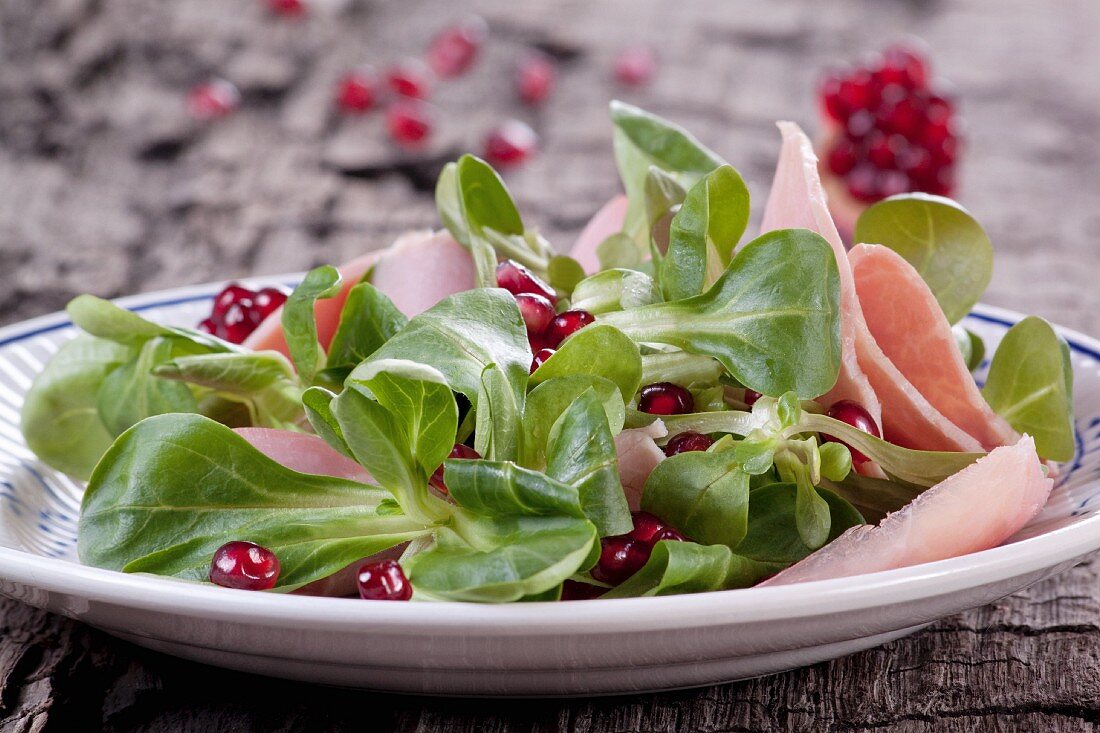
x=299, y=321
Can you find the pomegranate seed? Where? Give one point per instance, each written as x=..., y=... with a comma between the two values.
x=517, y=279
x=829, y=93
x=751, y=396
x=665, y=398
x=853, y=413
x=565, y=325
x=245, y=566
x=459, y=451
x=410, y=78
x=287, y=8
x=668, y=533
x=903, y=117
x=882, y=150
x=939, y=108
x=232, y=294
x=858, y=91
x=208, y=326
x=620, y=557
x=891, y=183
x=687, y=442
x=646, y=527
x=267, y=301
x=453, y=51
x=537, y=312
x=915, y=162
x=905, y=67
x=863, y=183
x=383, y=581
x=571, y=590
x=843, y=157
x=215, y=98
x=356, y=93
x=510, y=143
x=859, y=124
x=635, y=66
x=409, y=122
x=540, y=358
x=535, y=77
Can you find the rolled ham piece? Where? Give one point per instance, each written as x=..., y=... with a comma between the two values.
x=978, y=508
x=638, y=454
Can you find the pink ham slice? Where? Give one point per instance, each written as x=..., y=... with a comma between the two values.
x=638, y=454
x=797, y=201
x=976, y=509
x=910, y=328
x=304, y=453
x=416, y=272
x=608, y=220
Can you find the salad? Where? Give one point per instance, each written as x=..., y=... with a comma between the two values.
x=469, y=415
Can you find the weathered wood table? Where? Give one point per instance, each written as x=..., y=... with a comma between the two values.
x=106, y=186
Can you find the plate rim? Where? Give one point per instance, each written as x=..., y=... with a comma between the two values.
x=601, y=616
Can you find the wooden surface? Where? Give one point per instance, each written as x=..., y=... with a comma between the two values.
x=105, y=186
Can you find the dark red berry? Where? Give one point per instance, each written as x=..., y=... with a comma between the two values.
x=842, y=157
x=862, y=183
x=635, y=66
x=510, y=143
x=571, y=590
x=668, y=533
x=287, y=8
x=646, y=527
x=453, y=51
x=267, y=301
x=853, y=413
x=620, y=557
x=245, y=566
x=829, y=93
x=565, y=325
x=687, y=442
x=208, y=326
x=541, y=355
x=215, y=98
x=409, y=122
x=356, y=92
x=751, y=396
x=410, y=78
x=904, y=66
x=517, y=279
x=459, y=451
x=665, y=398
x=237, y=311
x=535, y=77
x=537, y=312
x=383, y=581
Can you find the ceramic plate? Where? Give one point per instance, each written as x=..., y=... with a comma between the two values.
x=531, y=649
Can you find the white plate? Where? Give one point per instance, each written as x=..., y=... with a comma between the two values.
x=531, y=649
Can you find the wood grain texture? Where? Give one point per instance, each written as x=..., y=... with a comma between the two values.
x=107, y=187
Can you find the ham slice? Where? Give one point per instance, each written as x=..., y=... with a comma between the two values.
x=304, y=453
x=417, y=271
x=797, y=201
x=978, y=508
x=638, y=454
x=910, y=328
x=605, y=222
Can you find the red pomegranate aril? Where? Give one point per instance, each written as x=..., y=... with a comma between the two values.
x=863, y=183
x=510, y=143
x=571, y=590
x=535, y=78
x=459, y=451
x=857, y=92
x=537, y=312
x=646, y=527
x=517, y=279
x=383, y=581
x=565, y=325
x=829, y=93
x=751, y=396
x=668, y=533
x=209, y=326
x=541, y=355
x=854, y=414
x=267, y=301
x=215, y=98
x=356, y=93
x=860, y=123
x=665, y=398
x=635, y=66
x=891, y=183
x=882, y=150
x=843, y=157
x=410, y=78
x=620, y=557
x=905, y=66
x=287, y=8
x=687, y=442
x=453, y=51
x=409, y=122
x=245, y=566
x=232, y=294
x=903, y=117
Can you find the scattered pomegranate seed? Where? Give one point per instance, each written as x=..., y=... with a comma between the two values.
x=565, y=325
x=517, y=279
x=853, y=413
x=541, y=355
x=751, y=396
x=267, y=301
x=571, y=590
x=410, y=78
x=665, y=398
x=635, y=66
x=287, y=8
x=459, y=451
x=453, y=51
x=536, y=75
x=356, y=92
x=238, y=311
x=537, y=312
x=212, y=99
x=245, y=566
x=383, y=581
x=409, y=122
x=620, y=557
x=646, y=527
x=510, y=143
x=687, y=442
x=843, y=157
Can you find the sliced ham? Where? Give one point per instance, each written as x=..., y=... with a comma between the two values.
x=638, y=454
x=417, y=271
x=605, y=222
x=978, y=508
x=910, y=328
x=797, y=201
x=304, y=453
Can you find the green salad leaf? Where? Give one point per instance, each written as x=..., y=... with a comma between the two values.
x=687, y=567
x=773, y=535
x=300, y=324
x=615, y=290
x=499, y=419
x=547, y=401
x=703, y=494
x=133, y=392
x=970, y=345
x=598, y=350
x=368, y=320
